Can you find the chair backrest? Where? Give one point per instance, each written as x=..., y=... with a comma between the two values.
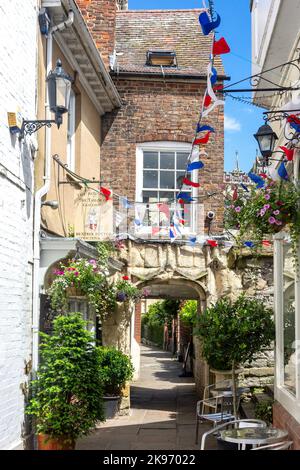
x=284, y=445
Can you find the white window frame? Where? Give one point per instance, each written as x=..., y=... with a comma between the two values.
x=164, y=146
x=71, y=129
x=288, y=400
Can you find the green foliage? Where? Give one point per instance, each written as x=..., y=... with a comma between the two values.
x=153, y=332
x=235, y=331
x=188, y=313
x=105, y=250
x=87, y=276
x=264, y=411
x=67, y=395
x=161, y=312
x=115, y=370
x=126, y=291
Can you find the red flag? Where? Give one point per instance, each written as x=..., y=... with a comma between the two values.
x=207, y=101
x=218, y=87
x=212, y=243
x=106, y=192
x=293, y=119
x=266, y=243
x=220, y=47
x=263, y=175
x=164, y=208
x=288, y=152
x=155, y=230
x=235, y=194
x=203, y=140
x=190, y=183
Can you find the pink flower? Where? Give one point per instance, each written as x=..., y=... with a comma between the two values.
x=278, y=222
x=276, y=212
x=238, y=209
x=76, y=273
x=92, y=261
x=267, y=197
x=272, y=220
x=267, y=206
x=262, y=212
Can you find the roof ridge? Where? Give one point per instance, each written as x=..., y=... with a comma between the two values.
x=126, y=12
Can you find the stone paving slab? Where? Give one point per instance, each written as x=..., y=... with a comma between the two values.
x=162, y=411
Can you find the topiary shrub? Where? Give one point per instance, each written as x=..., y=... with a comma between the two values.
x=115, y=370
x=67, y=394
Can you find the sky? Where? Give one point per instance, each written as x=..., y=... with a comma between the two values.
x=241, y=120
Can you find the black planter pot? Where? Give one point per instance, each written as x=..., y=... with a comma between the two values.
x=111, y=406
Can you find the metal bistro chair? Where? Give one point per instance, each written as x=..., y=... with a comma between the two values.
x=238, y=423
x=222, y=411
x=284, y=445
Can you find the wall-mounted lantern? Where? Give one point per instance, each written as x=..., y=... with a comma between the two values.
x=59, y=91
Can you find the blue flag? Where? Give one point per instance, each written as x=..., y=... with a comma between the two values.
x=257, y=179
x=195, y=166
x=204, y=128
x=214, y=77
x=206, y=24
x=249, y=244
x=282, y=172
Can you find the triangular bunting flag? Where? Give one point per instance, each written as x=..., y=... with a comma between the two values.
x=212, y=243
x=106, y=192
x=203, y=140
x=256, y=179
x=207, y=24
x=220, y=47
x=282, y=172
x=207, y=101
x=204, y=128
x=195, y=166
x=164, y=208
x=289, y=153
x=188, y=182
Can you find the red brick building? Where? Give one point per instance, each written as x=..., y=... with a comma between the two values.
x=158, y=60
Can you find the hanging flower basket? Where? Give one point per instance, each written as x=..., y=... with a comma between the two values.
x=121, y=296
x=73, y=291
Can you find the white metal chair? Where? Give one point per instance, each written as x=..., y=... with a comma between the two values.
x=238, y=423
x=284, y=445
x=222, y=411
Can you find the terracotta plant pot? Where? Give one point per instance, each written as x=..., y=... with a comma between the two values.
x=46, y=442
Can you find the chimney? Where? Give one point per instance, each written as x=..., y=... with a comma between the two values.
x=122, y=4
x=100, y=18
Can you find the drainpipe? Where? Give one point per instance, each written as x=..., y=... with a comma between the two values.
x=38, y=202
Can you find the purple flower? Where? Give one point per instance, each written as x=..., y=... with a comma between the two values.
x=267, y=206
x=76, y=273
x=278, y=222
x=267, y=197
x=272, y=220
x=276, y=212
x=238, y=209
x=92, y=261
x=58, y=272
x=262, y=212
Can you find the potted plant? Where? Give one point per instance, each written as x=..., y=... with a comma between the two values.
x=115, y=370
x=126, y=291
x=232, y=332
x=67, y=394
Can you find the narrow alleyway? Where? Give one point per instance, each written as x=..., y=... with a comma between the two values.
x=162, y=410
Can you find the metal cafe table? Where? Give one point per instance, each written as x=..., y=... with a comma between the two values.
x=254, y=436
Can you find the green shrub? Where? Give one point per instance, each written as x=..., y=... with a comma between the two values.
x=232, y=332
x=115, y=370
x=264, y=411
x=188, y=312
x=67, y=395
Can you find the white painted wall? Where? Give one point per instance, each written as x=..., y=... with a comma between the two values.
x=18, y=38
x=135, y=350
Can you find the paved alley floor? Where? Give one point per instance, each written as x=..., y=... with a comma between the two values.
x=162, y=410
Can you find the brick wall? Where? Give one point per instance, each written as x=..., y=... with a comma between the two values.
x=100, y=18
x=283, y=420
x=159, y=111
x=17, y=88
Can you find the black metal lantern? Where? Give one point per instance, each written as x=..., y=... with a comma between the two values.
x=266, y=139
x=59, y=91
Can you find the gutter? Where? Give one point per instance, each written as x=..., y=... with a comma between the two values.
x=167, y=75
x=38, y=203
x=95, y=54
